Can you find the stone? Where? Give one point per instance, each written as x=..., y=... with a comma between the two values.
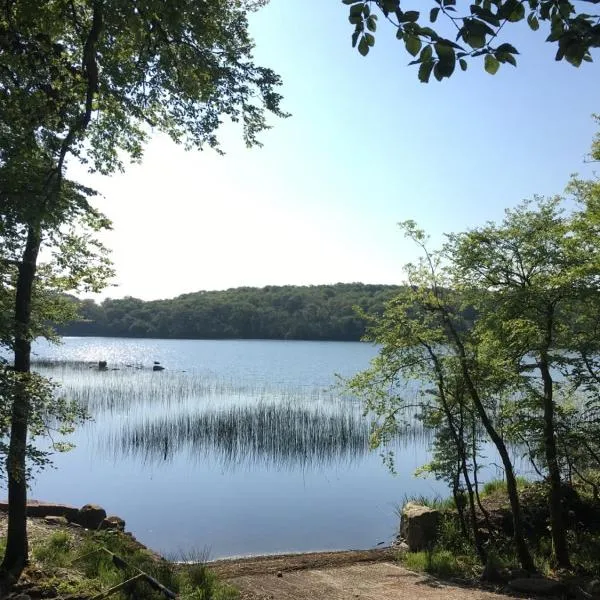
x=55, y=520
x=113, y=522
x=158, y=368
x=419, y=526
x=593, y=588
x=36, y=508
x=541, y=586
x=90, y=516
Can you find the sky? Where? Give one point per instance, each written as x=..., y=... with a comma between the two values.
x=367, y=146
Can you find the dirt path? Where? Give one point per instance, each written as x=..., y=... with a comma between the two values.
x=368, y=575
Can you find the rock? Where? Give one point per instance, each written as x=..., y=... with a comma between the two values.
x=279, y=574
x=113, y=522
x=419, y=526
x=54, y=520
x=35, y=508
x=593, y=588
x=158, y=368
x=401, y=547
x=90, y=516
x=102, y=365
x=537, y=586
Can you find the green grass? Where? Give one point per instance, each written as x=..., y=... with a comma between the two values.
x=437, y=502
x=497, y=486
x=75, y=565
x=442, y=563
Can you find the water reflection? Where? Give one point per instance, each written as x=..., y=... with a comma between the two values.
x=269, y=435
x=234, y=425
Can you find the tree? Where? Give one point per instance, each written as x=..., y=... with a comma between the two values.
x=35, y=292
x=538, y=273
x=87, y=81
x=425, y=340
x=471, y=30
x=532, y=283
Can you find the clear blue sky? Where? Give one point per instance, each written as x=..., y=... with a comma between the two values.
x=367, y=146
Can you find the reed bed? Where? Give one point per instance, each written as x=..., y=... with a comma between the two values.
x=278, y=435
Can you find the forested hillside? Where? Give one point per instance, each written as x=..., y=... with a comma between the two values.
x=320, y=312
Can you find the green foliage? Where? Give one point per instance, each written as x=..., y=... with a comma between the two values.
x=51, y=415
x=437, y=502
x=498, y=486
x=474, y=30
x=523, y=370
x=322, y=312
x=441, y=563
x=55, y=551
x=82, y=569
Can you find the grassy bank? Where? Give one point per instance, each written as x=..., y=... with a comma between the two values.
x=453, y=554
x=72, y=562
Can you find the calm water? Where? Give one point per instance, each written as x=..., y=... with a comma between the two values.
x=238, y=447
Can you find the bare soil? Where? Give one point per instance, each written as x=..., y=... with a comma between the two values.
x=360, y=575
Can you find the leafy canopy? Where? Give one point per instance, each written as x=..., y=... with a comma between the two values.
x=470, y=30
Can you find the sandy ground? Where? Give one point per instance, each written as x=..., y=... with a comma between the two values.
x=369, y=575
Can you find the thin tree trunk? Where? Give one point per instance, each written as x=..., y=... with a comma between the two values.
x=473, y=512
x=559, y=537
x=16, y=553
x=484, y=512
x=511, y=483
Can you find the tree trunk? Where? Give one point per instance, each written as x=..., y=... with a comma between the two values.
x=559, y=534
x=16, y=553
x=523, y=553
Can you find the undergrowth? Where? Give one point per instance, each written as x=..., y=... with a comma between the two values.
x=77, y=565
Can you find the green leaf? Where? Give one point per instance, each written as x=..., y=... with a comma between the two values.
x=363, y=46
x=370, y=39
x=533, y=22
x=463, y=64
x=517, y=15
x=356, y=10
x=410, y=16
x=433, y=14
x=426, y=54
x=425, y=71
x=372, y=23
x=505, y=57
x=447, y=60
x=491, y=64
x=413, y=45
x=507, y=48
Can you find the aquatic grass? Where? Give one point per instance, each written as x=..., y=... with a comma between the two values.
x=155, y=416
x=128, y=390
x=282, y=435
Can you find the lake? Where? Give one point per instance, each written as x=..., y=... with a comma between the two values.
x=236, y=448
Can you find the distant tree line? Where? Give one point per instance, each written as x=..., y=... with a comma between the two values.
x=318, y=312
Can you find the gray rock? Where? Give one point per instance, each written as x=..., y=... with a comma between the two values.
x=54, y=520
x=113, y=522
x=35, y=508
x=593, y=588
x=90, y=516
x=419, y=526
x=537, y=585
